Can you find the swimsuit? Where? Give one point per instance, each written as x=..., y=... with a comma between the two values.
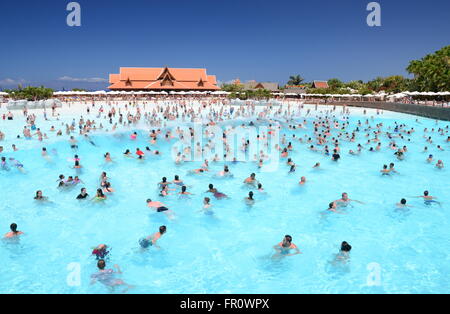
x=219, y=195
x=145, y=243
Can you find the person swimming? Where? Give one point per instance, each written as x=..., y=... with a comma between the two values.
x=177, y=181
x=302, y=180
x=225, y=172
x=3, y=164
x=100, y=251
x=14, y=232
x=184, y=191
x=127, y=153
x=344, y=254
x=106, y=186
x=385, y=171
x=99, y=196
x=108, y=157
x=163, y=182
x=83, y=194
x=284, y=247
x=428, y=199
x=216, y=193
x=106, y=276
x=140, y=153
x=206, y=209
x=345, y=200
x=249, y=200
x=251, y=180
x=402, y=204
x=17, y=164
x=332, y=207
x=439, y=164
x=39, y=196
x=151, y=240
x=159, y=207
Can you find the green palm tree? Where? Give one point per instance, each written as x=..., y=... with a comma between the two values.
x=295, y=80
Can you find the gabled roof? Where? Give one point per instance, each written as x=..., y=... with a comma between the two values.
x=272, y=86
x=162, y=78
x=320, y=84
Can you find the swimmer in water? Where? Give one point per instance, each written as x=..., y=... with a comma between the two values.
x=160, y=208
x=440, y=164
x=198, y=170
x=163, y=183
x=344, y=200
x=344, y=254
x=184, y=192
x=40, y=197
x=385, y=171
x=392, y=168
x=100, y=251
x=17, y=164
x=225, y=172
x=284, y=247
x=302, y=181
x=14, y=232
x=3, y=164
x=428, y=199
x=89, y=140
x=332, y=207
x=108, y=157
x=99, y=196
x=402, y=204
x=83, y=194
x=177, y=181
x=251, y=180
x=260, y=188
x=152, y=239
x=249, y=200
x=292, y=169
x=206, y=209
x=216, y=193
x=140, y=153
x=127, y=153
x=106, y=277
x=106, y=186
x=165, y=191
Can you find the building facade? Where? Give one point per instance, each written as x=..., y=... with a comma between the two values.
x=166, y=79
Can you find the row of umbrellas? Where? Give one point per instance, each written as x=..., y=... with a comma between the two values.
x=406, y=94
x=102, y=92
x=382, y=94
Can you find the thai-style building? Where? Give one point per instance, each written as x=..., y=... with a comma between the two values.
x=253, y=85
x=167, y=79
x=320, y=84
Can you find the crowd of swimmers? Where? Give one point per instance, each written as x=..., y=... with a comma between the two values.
x=322, y=140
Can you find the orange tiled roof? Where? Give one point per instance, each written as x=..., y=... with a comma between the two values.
x=162, y=78
x=320, y=84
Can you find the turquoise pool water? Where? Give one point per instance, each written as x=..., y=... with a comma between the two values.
x=394, y=250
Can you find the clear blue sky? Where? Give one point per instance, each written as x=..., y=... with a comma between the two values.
x=250, y=39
